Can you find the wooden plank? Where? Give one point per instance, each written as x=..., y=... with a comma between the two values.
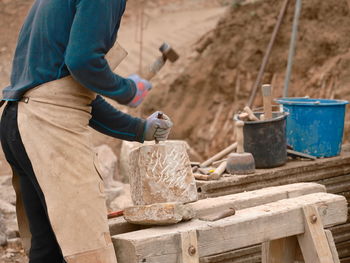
x=332, y=247
x=254, y=198
x=248, y=227
x=189, y=247
x=314, y=243
x=279, y=250
x=210, y=206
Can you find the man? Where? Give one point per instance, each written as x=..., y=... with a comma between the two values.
x=58, y=68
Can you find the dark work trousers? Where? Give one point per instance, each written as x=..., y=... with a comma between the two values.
x=44, y=247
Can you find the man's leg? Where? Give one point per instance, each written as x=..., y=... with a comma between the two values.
x=44, y=247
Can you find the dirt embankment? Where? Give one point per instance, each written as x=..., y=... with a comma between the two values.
x=217, y=80
x=12, y=14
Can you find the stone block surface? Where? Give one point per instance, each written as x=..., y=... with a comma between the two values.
x=161, y=173
x=158, y=214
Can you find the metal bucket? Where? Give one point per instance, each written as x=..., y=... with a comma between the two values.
x=266, y=140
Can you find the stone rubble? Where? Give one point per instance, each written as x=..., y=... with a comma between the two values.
x=8, y=221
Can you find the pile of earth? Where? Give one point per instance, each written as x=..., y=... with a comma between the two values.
x=216, y=80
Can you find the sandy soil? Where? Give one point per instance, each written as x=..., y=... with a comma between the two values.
x=217, y=80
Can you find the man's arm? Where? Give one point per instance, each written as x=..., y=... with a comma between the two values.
x=112, y=122
x=92, y=35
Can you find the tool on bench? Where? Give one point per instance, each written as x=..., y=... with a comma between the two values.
x=295, y=154
x=219, y=155
x=210, y=174
x=160, y=116
x=226, y=213
x=251, y=115
x=240, y=162
x=115, y=214
x=168, y=53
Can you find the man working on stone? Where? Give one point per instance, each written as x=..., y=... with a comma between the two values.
x=58, y=69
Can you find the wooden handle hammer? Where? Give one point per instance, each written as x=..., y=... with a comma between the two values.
x=168, y=53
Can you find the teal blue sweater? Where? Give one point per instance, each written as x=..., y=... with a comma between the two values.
x=71, y=37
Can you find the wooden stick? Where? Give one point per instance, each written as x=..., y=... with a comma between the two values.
x=243, y=116
x=268, y=52
x=240, y=139
x=218, y=162
x=219, y=171
x=251, y=115
x=301, y=155
x=267, y=98
x=219, y=155
x=213, y=128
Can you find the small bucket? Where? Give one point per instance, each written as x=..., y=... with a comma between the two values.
x=266, y=140
x=315, y=126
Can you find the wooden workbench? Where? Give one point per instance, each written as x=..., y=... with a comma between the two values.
x=333, y=172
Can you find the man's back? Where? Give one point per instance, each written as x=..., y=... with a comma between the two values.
x=59, y=36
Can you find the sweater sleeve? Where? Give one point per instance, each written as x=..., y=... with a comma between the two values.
x=93, y=33
x=112, y=122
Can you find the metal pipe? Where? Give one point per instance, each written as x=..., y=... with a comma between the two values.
x=292, y=46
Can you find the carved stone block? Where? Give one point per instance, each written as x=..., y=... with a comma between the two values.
x=161, y=173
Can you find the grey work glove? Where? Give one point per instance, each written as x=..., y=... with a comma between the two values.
x=157, y=129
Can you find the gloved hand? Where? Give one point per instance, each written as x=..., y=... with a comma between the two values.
x=143, y=86
x=156, y=128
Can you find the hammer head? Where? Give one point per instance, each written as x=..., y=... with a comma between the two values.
x=240, y=163
x=168, y=52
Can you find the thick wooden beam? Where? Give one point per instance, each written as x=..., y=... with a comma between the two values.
x=239, y=201
x=248, y=227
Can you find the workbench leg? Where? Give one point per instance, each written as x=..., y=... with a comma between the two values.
x=332, y=246
x=280, y=250
x=189, y=247
x=313, y=243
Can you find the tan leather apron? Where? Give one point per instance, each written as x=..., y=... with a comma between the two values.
x=53, y=122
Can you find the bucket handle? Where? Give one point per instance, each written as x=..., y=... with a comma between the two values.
x=279, y=108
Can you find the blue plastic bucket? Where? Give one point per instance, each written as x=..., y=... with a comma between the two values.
x=315, y=126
